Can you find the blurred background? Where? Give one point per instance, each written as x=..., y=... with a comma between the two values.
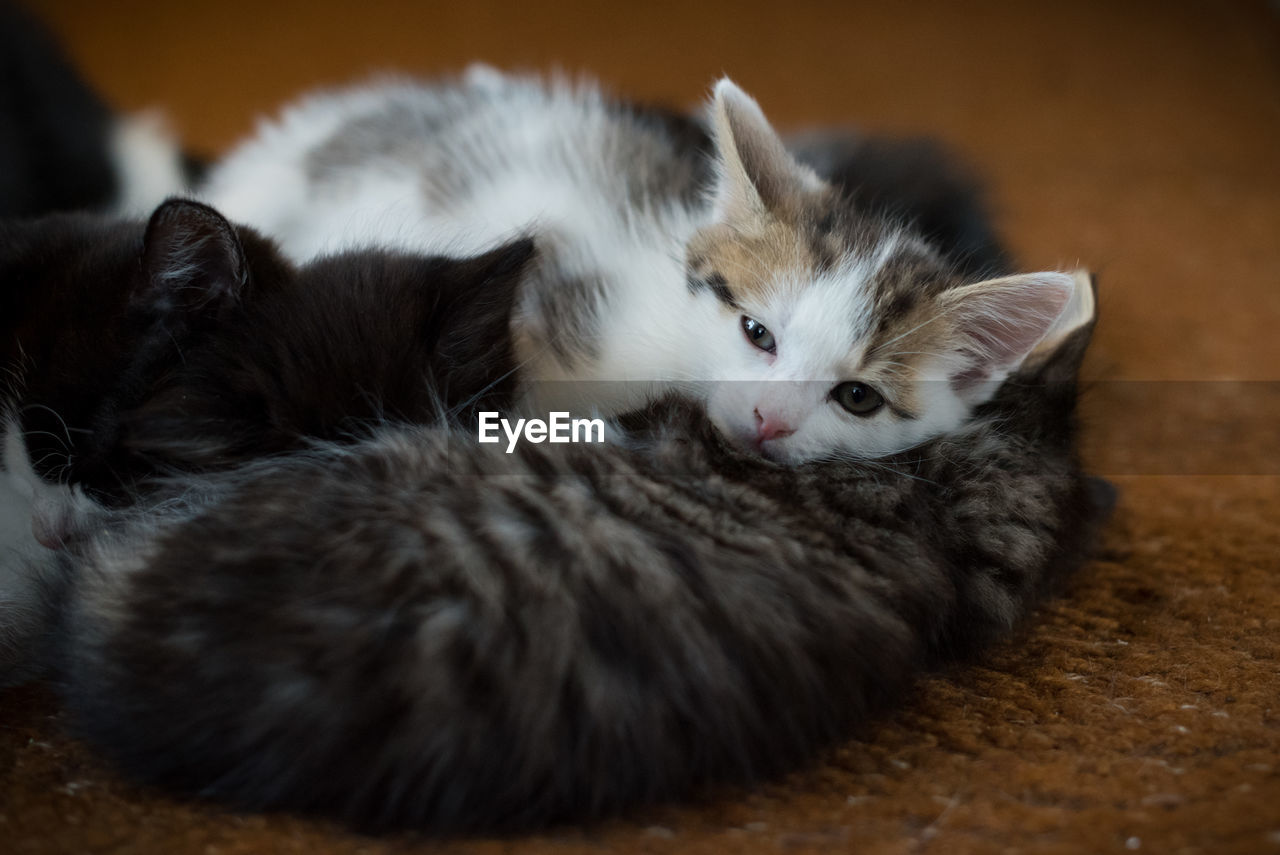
x=1140, y=139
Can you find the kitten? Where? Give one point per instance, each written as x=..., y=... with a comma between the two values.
x=89, y=317
x=133, y=350
x=421, y=631
x=61, y=147
x=712, y=262
x=95, y=311
x=340, y=344
x=187, y=343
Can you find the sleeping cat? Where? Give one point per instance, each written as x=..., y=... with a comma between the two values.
x=91, y=314
x=132, y=350
x=421, y=631
x=186, y=343
x=675, y=255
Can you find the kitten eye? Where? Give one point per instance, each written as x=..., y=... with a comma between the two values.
x=758, y=335
x=858, y=398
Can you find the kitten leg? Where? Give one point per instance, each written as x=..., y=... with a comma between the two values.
x=36, y=519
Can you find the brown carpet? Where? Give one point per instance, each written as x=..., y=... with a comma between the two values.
x=1141, y=711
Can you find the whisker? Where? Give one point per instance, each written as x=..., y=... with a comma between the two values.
x=913, y=329
x=53, y=413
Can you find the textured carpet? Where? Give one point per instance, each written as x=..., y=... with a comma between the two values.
x=1140, y=711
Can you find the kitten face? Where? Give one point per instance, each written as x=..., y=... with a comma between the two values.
x=838, y=334
x=828, y=355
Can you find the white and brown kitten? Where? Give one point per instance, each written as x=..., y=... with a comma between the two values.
x=703, y=257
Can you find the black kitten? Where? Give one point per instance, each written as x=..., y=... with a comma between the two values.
x=345, y=342
x=188, y=344
x=134, y=350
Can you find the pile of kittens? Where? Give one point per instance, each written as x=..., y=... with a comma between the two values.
x=250, y=534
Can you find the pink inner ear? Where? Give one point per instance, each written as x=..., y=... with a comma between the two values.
x=975, y=371
x=1002, y=320
x=758, y=166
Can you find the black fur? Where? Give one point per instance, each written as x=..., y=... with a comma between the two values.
x=918, y=181
x=131, y=351
x=54, y=129
x=86, y=327
x=344, y=343
x=187, y=344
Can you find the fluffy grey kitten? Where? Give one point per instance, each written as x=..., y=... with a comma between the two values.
x=426, y=632
x=676, y=254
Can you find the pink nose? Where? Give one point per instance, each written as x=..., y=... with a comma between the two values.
x=771, y=427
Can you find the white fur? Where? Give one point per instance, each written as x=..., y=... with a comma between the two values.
x=148, y=163
x=531, y=171
x=17, y=543
x=813, y=356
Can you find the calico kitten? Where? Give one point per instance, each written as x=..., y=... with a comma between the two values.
x=421, y=631
x=61, y=147
x=814, y=327
x=133, y=350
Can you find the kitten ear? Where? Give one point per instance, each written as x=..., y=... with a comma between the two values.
x=482, y=299
x=192, y=259
x=1000, y=322
x=757, y=174
x=471, y=329
x=499, y=270
x=1081, y=310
